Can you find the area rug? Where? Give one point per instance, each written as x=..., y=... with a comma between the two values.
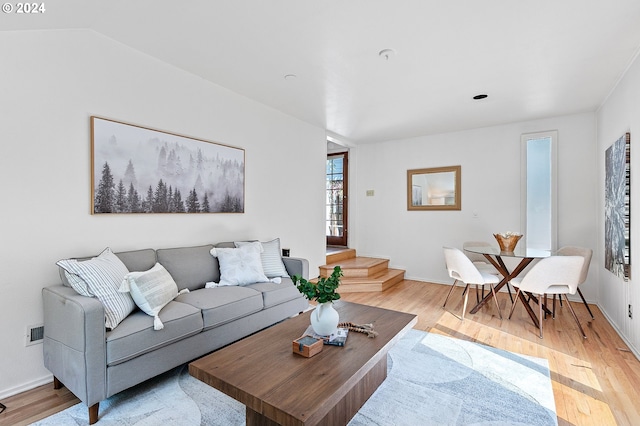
x=432, y=380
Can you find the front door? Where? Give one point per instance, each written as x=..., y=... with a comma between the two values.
x=336, y=199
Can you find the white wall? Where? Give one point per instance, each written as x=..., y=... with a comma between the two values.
x=51, y=82
x=490, y=160
x=618, y=115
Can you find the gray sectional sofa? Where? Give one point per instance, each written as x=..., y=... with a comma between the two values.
x=95, y=363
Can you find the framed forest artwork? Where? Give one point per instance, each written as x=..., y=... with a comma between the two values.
x=141, y=170
x=617, y=244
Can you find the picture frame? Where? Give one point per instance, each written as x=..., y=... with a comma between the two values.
x=617, y=230
x=436, y=188
x=137, y=170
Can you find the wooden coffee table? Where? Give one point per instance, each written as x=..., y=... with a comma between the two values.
x=280, y=387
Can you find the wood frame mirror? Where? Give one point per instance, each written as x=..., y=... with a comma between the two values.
x=436, y=188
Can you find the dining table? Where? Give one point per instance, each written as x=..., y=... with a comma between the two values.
x=495, y=256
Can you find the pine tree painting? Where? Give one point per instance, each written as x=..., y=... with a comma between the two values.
x=140, y=170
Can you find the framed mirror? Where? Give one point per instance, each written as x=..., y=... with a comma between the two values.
x=437, y=188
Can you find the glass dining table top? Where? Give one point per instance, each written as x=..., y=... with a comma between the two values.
x=523, y=252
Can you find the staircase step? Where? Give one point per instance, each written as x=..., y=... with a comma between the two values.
x=356, y=267
x=340, y=255
x=376, y=282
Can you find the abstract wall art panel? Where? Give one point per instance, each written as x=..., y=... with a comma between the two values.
x=617, y=256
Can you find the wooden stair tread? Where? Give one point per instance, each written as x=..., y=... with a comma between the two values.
x=361, y=273
x=356, y=263
x=378, y=277
x=377, y=282
x=339, y=255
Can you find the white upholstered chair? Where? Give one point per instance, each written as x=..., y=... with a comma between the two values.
x=586, y=253
x=461, y=268
x=552, y=275
x=479, y=260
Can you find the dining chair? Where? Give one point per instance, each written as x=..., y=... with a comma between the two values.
x=586, y=253
x=481, y=262
x=552, y=275
x=461, y=268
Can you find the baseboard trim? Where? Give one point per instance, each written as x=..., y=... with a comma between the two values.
x=6, y=393
x=633, y=349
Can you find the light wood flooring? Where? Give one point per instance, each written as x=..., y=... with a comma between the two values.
x=596, y=381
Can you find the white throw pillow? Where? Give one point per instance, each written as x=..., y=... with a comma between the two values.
x=101, y=277
x=151, y=290
x=240, y=266
x=270, y=256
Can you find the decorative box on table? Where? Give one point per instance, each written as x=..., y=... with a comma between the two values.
x=307, y=346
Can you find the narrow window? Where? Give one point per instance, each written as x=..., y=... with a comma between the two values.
x=539, y=215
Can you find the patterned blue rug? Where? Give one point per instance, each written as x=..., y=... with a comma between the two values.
x=432, y=380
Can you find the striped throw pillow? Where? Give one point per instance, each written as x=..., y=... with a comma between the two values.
x=102, y=276
x=270, y=256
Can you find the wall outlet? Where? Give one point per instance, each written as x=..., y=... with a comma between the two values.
x=630, y=312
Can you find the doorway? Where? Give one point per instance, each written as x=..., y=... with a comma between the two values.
x=336, y=199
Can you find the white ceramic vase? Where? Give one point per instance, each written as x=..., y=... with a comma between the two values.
x=324, y=319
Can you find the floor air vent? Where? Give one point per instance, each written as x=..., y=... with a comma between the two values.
x=35, y=334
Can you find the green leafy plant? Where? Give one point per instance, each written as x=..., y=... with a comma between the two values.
x=325, y=290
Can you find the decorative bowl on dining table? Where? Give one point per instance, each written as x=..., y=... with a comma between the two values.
x=508, y=240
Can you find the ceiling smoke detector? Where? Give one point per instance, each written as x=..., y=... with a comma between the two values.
x=387, y=54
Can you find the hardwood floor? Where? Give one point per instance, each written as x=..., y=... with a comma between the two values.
x=596, y=381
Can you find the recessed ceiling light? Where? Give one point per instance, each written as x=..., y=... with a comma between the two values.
x=290, y=77
x=480, y=96
x=387, y=54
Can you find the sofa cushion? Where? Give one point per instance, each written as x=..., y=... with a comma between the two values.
x=270, y=256
x=275, y=294
x=190, y=267
x=101, y=277
x=138, y=260
x=221, y=305
x=135, y=335
x=239, y=266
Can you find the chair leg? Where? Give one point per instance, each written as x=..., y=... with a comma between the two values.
x=493, y=291
x=574, y=315
x=466, y=299
x=449, y=294
x=545, y=304
x=514, y=303
x=585, y=304
x=509, y=290
x=554, y=307
x=540, y=312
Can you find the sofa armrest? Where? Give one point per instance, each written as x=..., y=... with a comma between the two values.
x=296, y=266
x=74, y=345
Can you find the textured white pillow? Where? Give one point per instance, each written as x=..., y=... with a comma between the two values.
x=151, y=290
x=102, y=276
x=270, y=257
x=240, y=266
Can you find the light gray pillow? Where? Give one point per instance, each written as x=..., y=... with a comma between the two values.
x=239, y=266
x=151, y=290
x=100, y=277
x=270, y=256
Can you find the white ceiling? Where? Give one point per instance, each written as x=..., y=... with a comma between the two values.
x=534, y=59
